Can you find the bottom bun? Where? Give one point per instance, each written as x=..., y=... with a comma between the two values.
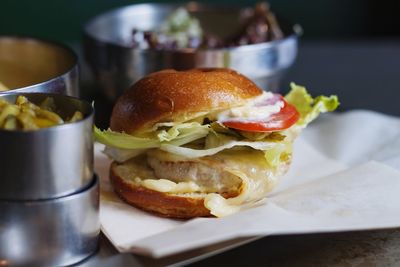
x=163, y=204
x=124, y=179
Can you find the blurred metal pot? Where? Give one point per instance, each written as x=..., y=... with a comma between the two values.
x=116, y=64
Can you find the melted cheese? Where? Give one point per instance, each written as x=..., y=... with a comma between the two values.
x=250, y=165
x=138, y=172
x=257, y=180
x=219, y=206
x=167, y=186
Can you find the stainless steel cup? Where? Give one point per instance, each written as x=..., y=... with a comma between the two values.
x=52, y=232
x=117, y=65
x=34, y=65
x=49, y=162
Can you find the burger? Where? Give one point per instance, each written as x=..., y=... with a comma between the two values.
x=203, y=142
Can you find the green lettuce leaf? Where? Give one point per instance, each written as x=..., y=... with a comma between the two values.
x=177, y=135
x=123, y=140
x=215, y=139
x=308, y=107
x=183, y=133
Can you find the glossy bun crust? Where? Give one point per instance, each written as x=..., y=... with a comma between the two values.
x=171, y=95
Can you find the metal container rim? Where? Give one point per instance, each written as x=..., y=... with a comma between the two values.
x=71, y=52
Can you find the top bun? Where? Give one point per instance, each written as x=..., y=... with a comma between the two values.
x=176, y=96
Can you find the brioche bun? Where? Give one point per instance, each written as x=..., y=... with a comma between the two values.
x=163, y=204
x=171, y=95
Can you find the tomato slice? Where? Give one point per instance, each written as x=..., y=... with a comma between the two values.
x=286, y=117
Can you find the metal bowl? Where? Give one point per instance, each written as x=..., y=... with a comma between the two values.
x=33, y=65
x=50, y=162
x=54, y=232
x=117, y=65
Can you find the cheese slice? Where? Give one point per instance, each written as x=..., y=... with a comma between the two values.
x=258, y=178
x=167, y=186
x=250, y=165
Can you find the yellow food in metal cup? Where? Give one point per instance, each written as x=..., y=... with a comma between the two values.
x=25, y=115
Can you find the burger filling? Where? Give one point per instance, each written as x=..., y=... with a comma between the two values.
x=210, y=178
x=231, y=158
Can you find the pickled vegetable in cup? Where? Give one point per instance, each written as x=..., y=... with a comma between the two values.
x=25, y=115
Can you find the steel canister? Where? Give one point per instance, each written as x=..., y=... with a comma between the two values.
x=49, y=162
x=52, y=232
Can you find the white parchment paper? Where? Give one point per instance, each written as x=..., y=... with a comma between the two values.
x=343, y=177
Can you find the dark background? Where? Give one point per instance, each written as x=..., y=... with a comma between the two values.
x=350, y=48
x=322, y=19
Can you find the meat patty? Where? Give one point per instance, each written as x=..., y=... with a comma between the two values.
x=209, y=177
